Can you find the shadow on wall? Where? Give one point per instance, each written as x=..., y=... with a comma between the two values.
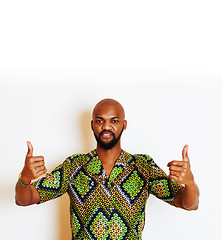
x=64, y=229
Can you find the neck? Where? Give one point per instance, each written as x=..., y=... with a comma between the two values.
x=108, y=155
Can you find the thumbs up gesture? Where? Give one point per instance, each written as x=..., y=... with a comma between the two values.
x=34, y=166
x=180, y=170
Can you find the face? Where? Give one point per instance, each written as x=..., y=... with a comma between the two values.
x=108, y=124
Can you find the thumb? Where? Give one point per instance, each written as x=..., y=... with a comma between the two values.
x=185, y=154
x=30, y=149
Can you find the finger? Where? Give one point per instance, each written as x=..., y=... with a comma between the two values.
x=177, y=169
x=32, y=161
x=177, y=174
x=40, y=173
x=38, y=163
x=177, y=163
x=30, y=149
x=40, y=169
x=36, y=158
x=185, y=154
x=177, y=179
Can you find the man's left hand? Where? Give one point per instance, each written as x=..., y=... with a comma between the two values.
x=180, y=170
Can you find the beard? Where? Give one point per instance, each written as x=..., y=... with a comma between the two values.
x=110, y=144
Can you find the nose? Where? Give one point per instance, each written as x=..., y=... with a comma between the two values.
x=106, y=125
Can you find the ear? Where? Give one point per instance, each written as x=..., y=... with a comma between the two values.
x=92, y=124
x=124, y=124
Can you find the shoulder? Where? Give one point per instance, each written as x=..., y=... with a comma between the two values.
x=143, y=158
x=81, y=158
x=145, y=161
x=73, y=162
x=78, y=158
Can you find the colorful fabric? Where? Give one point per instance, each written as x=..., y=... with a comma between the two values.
x=107, y=208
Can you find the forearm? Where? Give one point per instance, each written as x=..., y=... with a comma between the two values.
x=188, y=197
x=25, y=196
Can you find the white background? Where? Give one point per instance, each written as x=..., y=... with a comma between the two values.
x=160, y=59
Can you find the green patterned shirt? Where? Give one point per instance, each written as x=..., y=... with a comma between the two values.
x=107, y=208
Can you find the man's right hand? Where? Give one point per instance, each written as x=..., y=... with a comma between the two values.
x=34, y=166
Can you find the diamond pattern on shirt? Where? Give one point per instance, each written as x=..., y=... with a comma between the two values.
x=52, y=181
x=75, y=225
x=132, y=186
x=107, y=208
x=161, y=188
x=98, y=225
x=82, y=184
x=140, y=224
x=118, y=226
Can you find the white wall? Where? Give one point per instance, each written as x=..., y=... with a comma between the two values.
x=161, y=60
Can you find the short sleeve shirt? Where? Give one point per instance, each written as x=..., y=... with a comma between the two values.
x=107, y=208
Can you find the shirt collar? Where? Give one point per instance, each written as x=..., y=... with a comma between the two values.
x=94, y=165
x=124, y=158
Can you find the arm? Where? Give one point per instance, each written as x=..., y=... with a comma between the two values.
x=188, y=197
x=34, y=168
x=26, y=195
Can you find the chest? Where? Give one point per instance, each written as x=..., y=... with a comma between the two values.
x=108, y=167
x=110, y=199
x=114, y=183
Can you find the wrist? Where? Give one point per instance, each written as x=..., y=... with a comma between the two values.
x=191, y=186
x=24, y=181
x=190, y=183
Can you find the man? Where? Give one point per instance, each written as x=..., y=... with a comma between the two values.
x=108, y=187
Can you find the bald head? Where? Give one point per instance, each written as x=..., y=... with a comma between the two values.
x=106, y=104
x=108, y=123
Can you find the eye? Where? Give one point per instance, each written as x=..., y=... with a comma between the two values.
x=99, y=121
x=115, y=121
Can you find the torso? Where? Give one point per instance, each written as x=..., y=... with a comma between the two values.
x=108, y=167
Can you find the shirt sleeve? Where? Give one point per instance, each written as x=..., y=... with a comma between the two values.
x=160, y=185
x=54, y=184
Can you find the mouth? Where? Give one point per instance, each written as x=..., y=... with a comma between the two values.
x=106, y=135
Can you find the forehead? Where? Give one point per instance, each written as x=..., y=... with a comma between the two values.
x=108, y=111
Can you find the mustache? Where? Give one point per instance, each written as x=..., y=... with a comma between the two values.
x=104, y=131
